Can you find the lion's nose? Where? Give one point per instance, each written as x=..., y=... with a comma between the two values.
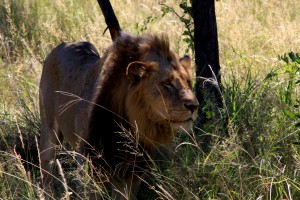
x=192, y=104
x=189, y=100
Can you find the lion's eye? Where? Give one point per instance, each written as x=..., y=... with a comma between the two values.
x=168, y=85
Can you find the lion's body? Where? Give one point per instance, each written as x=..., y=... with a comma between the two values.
x=58, y=111
x=137, y=93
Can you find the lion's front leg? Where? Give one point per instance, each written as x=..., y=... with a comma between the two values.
x=49, y=142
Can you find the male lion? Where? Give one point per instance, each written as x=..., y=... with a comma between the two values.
x=132, y=99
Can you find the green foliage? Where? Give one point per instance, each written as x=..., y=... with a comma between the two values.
x=142, y=27
x=186, y=19
x=290, y=95
x=292, y=69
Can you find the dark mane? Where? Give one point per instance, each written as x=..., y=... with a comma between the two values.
x=105, y=131
x=131, y=48
x=158, y=43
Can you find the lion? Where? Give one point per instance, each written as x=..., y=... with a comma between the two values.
x=134, y=98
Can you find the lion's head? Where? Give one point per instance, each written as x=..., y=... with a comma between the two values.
x=159, y=97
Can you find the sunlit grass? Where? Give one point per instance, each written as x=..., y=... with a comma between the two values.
x=256, y=155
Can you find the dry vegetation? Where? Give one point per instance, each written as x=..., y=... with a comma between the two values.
x=258, y=159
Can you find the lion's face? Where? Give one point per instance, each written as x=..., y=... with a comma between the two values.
x=166, y=85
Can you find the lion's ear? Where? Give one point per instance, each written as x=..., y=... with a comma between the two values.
x=137, y=70
x=186, y=62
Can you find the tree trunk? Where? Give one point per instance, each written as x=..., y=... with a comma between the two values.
x=110, y=19
x=208, y=90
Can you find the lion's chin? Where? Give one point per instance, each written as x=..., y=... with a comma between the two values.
x=182, y=126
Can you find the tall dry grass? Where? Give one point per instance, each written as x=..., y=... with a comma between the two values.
x=258, y=159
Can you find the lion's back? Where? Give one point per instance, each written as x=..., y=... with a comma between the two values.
x=66, y=66
x=68, y=73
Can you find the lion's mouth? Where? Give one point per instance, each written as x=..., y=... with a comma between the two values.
x=181, y=121
x=182, y=125
x=183, y=117
x=179, y=118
